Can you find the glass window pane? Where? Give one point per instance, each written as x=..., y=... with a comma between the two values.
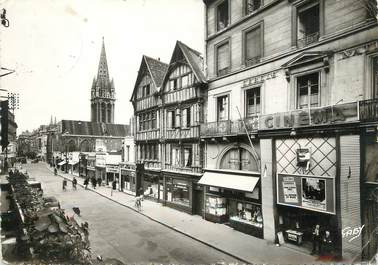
x=253, y=44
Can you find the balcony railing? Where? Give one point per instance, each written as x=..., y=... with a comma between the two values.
x=229, y=127
x=308, y=39
x=180, y=95
x=148, y=135
x=183, y=133
x=193, y=169
x=368, y=110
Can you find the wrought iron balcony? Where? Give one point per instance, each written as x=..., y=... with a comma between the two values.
x=308, y=39
x=178, y=168
x=228, y=127
x=368, y=110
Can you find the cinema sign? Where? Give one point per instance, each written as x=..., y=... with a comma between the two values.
x=335, y=114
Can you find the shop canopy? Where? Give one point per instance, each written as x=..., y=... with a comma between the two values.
x=61, y=163
x=229, y=181
x=72, y=162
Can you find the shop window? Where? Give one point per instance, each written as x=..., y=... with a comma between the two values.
x=222, y=108
x=215, y=205
x=223, y=59
x=308, y=91
x=245, y=212
x=308, y=24
x=375, y=77
x=151, y=186
x=252, y=98
x=222, y=15
x=180, y=192
x=188, y=154
x=238, y=159
x=252, y=46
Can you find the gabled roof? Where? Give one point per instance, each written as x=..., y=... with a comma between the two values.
x=192, y=57
x=155, y=68
x=75, y=127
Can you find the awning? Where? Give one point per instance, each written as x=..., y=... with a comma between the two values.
x=73, y=162
x=229, y=181
x=61, y=163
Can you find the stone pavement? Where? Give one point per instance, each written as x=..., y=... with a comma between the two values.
x=244, y=247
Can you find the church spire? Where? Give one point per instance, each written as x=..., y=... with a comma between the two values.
x=103, y=72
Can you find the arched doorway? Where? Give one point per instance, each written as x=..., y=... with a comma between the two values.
x=85, y=146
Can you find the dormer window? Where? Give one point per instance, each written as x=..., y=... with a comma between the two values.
x=222, y=15
x=251, y=6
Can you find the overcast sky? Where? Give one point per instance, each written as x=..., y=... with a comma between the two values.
x=54, y=47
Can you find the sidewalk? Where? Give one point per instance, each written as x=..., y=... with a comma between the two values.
x=244, y=247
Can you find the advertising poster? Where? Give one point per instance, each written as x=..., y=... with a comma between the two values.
x=289, y=190
x=314, y=193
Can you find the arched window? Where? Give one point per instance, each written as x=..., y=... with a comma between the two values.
x=238, y=158
x=85, y=146
x=71, y=147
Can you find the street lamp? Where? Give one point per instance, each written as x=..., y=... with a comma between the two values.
x=66, y=147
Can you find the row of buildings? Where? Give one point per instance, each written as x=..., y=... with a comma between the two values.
x=274, y=129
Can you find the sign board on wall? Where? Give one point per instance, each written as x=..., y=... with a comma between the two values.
x=316, y=116
x=307, y=192
x=101, y=160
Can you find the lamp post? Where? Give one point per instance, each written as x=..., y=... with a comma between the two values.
x=65, y=134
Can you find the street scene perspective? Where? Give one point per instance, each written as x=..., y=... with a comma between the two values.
x=189, y=132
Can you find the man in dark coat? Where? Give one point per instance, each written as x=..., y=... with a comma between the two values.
x=316, y=240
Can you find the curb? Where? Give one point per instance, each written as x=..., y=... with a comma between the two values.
x=164, y=224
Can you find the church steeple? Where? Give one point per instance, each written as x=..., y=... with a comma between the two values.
x=102, y=92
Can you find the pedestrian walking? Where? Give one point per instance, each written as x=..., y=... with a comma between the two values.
x=138, y=202
x=74, y=183
x=86, y=182
x=99, y=181
x=64, y=184
x=94, y=183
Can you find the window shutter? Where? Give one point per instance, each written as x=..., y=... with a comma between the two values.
x=223, y=56
x=253, y=43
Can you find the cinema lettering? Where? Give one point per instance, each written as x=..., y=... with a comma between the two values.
x=317, y=116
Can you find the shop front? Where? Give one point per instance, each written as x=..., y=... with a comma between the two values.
x=101, y=166
x=303, y=202
x=152, y=185
x=128, y=179
x=233, y=198
x=179, y=190
x=112, y=174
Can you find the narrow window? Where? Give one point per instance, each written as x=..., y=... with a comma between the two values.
x=185, y=81
x=308, y=19
x=375, y=77
x=128, y=153
x=177, y=122
x=148, y=90
x=253, y=102
x=252, y=5
x=222, y=108
x=174, y=84
x=308, y=91
x=223, y=59
x=222, y=15
x=188, y=153
x=253, y=46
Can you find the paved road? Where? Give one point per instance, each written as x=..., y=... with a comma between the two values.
x=118, y=232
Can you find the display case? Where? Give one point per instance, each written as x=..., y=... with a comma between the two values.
x=215, y=209
x=246, y=217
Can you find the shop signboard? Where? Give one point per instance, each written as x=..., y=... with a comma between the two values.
x=101, y=160
x=315, y=193
x=336, y=114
